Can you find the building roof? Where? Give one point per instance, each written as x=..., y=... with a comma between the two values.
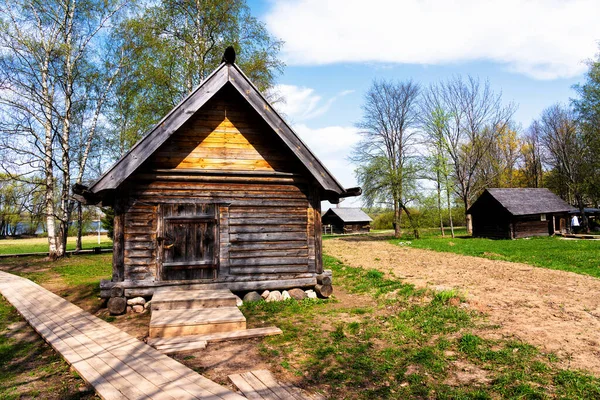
x=527, y=201
x=348, y=214
x=225, y=74
x=587, y=210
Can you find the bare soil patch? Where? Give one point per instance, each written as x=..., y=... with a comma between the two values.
x=557, y=311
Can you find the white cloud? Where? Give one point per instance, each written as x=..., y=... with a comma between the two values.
x=544, y=39
x=302, y=103
x=332, y=145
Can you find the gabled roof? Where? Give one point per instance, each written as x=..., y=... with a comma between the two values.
x=223, y=75
x=527, y=201
x=348, y=214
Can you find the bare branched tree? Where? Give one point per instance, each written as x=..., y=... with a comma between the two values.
x=385, y=153
x=476, y=117
x=566, y=152
x=532, y=156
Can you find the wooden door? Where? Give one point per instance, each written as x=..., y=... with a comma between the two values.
x=563, y=225
x=189, y=242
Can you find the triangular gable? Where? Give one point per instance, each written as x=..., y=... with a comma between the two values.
x=225, y=73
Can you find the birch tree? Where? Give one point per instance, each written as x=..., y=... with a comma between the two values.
x=433, y=121
x=45, y=48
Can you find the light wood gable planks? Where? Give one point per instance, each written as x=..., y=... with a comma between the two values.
x=151, y=142
x=225, y=135
x=326, y=180
x=146, y=146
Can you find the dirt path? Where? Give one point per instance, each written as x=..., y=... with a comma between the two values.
x=557, y=311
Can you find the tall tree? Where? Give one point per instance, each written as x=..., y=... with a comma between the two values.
x=531, y=153
x=46, y=48
x=499, y=167
x=386, y=152
x=477, y=116
x=567, y=153
x=173, y=45
x=433, y=120
x=587, y=107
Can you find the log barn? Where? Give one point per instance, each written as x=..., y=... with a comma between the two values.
x=347, y=220
x=519, y=212
x=220, y=194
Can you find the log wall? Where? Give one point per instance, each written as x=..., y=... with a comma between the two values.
x=268, y=206
x=531, y=225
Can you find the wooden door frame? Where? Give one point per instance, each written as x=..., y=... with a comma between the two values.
x=160, y=238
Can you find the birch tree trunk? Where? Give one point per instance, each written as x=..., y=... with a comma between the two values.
x=53, y=250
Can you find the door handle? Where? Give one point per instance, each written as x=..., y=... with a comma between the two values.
x=168, y=246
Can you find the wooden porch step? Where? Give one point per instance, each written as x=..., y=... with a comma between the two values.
x=261, y=384
x=215, y=337
x=181, y=322
x=179, y=347
x=187, y=299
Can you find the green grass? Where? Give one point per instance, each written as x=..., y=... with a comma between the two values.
x=580, y=256
x=401, y=342
x=35, y=245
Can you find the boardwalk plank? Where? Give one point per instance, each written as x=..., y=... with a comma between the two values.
x=117, y=365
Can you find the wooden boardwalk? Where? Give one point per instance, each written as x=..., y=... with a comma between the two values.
x=262, y=385
x=116, y=364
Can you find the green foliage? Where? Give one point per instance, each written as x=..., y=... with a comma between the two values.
x=587, y=106
x=108, y=221
x=385, y=220
x=426, y=216
x=171, y=46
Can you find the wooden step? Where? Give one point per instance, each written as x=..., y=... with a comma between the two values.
x=186, y=299
x=215, y=337
x=182, y=322
x=180, y=347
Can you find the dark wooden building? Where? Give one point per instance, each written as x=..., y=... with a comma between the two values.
x=347, y=220
x=220, y=194
x=517, y=213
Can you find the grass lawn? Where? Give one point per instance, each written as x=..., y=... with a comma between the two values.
x=392, y=341
x=34, y=245
x=580, y=256
x=380, y=339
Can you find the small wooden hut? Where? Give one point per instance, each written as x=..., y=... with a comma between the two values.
x=519, y=212
x=220, y=194
x=347, y=220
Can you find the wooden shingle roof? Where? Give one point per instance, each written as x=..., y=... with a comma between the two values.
x=527, y=201
x=225, y=74
x=348, y=214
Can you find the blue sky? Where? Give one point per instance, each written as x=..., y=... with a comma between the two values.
x=533, y=51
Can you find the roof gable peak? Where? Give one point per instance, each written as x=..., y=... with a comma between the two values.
x=226, y=73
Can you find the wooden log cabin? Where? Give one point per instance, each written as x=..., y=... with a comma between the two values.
x=346, y=220
x=519, y=212
x=220, y=194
